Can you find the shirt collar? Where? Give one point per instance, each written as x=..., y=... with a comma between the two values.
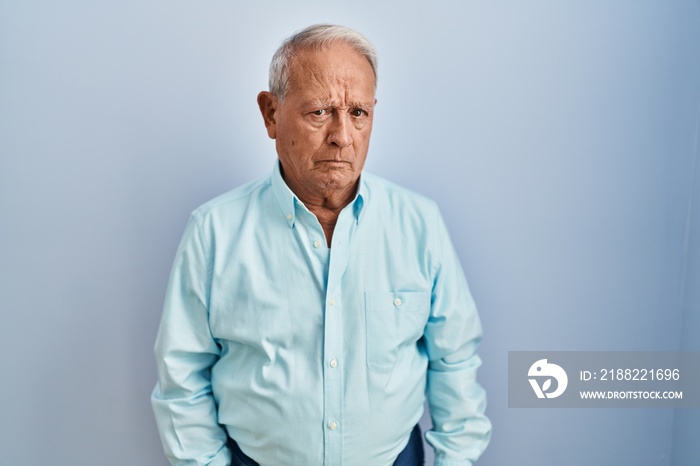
x=287, y=200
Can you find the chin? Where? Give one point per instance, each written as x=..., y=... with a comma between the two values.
x=338, y=180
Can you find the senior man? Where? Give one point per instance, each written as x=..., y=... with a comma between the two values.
x=311, y=312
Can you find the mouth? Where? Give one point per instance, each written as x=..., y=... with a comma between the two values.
x=333, y=163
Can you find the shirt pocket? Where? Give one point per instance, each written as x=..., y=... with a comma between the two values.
x=394, y=322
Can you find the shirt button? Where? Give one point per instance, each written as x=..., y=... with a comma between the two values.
x=333, y=425
x=317, y=244
x=397, y=302
x=332, y=301
x=289, y=217
x=333, y=363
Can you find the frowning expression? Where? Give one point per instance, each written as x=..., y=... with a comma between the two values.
x=322, y=126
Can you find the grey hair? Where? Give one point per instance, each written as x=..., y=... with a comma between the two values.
x=317, y=37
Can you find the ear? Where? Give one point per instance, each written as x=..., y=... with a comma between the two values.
x=268, y=107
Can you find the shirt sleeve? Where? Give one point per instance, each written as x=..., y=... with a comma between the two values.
x=184, y=407
x=461, y=431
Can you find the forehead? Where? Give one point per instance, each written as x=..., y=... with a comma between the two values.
x=330, y=70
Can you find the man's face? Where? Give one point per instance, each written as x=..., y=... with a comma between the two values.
x=323, y=124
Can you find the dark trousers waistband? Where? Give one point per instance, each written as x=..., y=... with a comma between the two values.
x=412, y=455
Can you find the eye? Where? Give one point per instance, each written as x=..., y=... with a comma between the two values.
x=320, y=112
x=358, y=112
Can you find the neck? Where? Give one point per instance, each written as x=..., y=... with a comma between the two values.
x=324, y=204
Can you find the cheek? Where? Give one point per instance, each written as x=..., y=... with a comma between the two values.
x=290, y=143
x=363, y=137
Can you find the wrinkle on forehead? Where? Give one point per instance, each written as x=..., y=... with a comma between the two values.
x=334, y=77
x=328, y=80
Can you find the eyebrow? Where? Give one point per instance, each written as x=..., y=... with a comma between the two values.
x=326, y=104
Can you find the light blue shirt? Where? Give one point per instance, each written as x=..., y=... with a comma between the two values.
x=309, y=355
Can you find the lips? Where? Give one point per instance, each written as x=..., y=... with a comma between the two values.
x=333, y=162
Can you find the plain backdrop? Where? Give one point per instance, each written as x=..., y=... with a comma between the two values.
x=560, y=139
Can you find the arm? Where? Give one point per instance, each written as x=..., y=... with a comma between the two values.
x=183, y=403
x=460, y=431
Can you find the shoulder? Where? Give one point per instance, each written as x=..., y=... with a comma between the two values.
x=389, y=195
x=235, y=201
x=405, y=213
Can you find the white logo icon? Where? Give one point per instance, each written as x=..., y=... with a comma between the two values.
x=543, y=369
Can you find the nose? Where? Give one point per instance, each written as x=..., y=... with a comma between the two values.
x=340, y=133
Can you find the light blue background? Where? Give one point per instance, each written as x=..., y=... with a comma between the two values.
x=560, y=139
